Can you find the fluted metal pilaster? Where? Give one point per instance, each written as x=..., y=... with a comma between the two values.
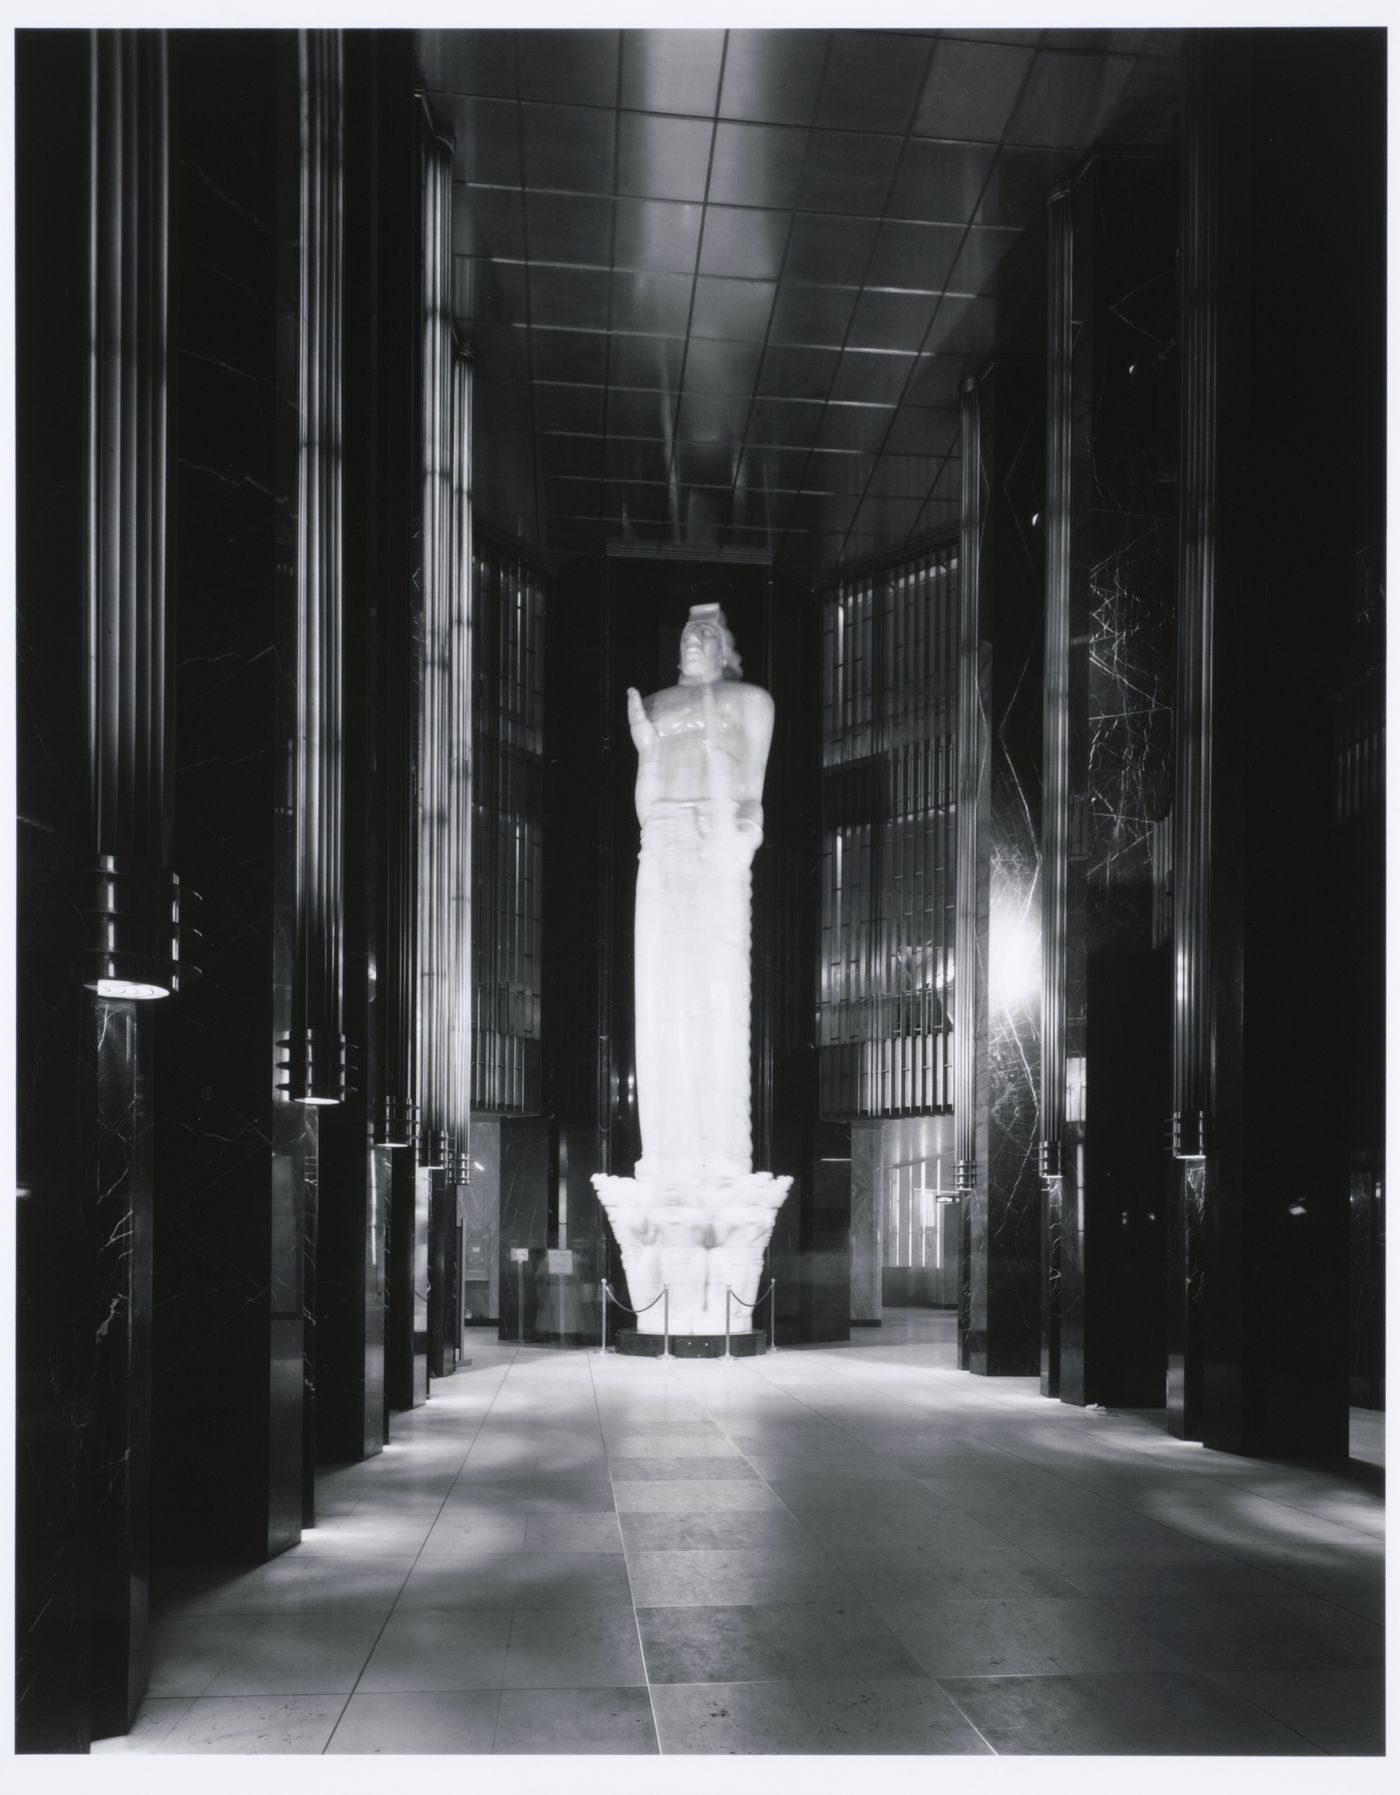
x=318, y=1043
x=435, y=874
x=1055, y=729
x=459, y=833
x=1191, y=817
x=133, y=897
x=971, y=758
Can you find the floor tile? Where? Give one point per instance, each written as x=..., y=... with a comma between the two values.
x=155, y=1718
x=930, y=1572
x=692, y=1495
x=426, y=1649
x=902, y=1715
x=189, y=1651
x=713, y=1532
x=487, y=1531
x=1257, y=1632
x=572, y=1533
x=1133, y=1714
x=999, y=1637
x=576, y=1721
x=730, y=1718
x=773, y=1642
x=433, y=1722
x=255, y=1723
x=300, y=1654
x=573, y=1648
x=1339, y=1711
x=296, y=1584
x=763, y=1574
x=519, y=1580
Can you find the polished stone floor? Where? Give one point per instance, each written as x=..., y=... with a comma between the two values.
x=831, y=1550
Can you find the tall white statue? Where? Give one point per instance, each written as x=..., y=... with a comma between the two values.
x=696, y=1217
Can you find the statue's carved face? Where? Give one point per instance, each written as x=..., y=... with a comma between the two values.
x=702, y=651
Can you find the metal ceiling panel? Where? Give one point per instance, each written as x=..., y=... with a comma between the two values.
x=870, y=377
x=1069, y=99
x=818, y=235
x=633, y=413
x=848, y=173
x=840, y=472
x=714, y=418
x=872, y=84
x=471, y=62
x=971, y=90
x=569, y=227
x=657, y=236
x=738, y=309
x=671, y=71
x=915, y=431
x=771, y=469
x=918, y=256
x=756, y=165
x=936, y=379
x=576, y=409
x=705, y=463
x=488, y=221
x=487, y=290
x=569, y=298
x=662, y=158
x=646, y=361
x=486, y=139
x=502, y=351
x=714, y=366
x=773, y=75
x=746, y=244
x=817, y=316
x=860, y=427
x=577, y=356
x=647, y=462
x=1019, y=184
x=577, y=68
x=783, y=423
x=941, y=183
x=787, y=372
x=570, y=147
x=983, y=256
x=884, y=320
x=656, y=303
x=824, y=250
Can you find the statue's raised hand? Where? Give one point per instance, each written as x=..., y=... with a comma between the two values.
x=643, y=730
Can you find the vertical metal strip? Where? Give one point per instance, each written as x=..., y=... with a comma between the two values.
x=1055, y=740
x=1195, y=638
x=971, y=751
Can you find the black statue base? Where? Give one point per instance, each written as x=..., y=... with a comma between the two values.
x=690, y=1346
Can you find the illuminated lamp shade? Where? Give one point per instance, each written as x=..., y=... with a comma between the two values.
x=135, y=932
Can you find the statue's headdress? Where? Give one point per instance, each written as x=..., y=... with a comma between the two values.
x=714, y=614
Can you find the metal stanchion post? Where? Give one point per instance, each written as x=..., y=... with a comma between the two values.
x=665, y=1321
x=726, y=1321
x=603, y=1306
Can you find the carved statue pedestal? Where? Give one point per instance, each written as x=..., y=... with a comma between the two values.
x=693, y=1236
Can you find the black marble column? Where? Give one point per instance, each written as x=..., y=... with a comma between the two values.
x=1110, y=609
x=1286, y=170
x=1001, y=651
x=406, y=1292
x=229, y=1369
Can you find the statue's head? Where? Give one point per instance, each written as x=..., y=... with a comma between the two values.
x=707, y=647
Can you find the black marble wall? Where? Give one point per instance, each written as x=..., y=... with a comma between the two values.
x=83, y=1101
x=1299, y=196
x=406, y=1285
x=999, y=997
x=1106, y=1318
x=229, y=1379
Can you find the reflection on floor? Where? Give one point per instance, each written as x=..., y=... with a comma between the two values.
x=844, y=1549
